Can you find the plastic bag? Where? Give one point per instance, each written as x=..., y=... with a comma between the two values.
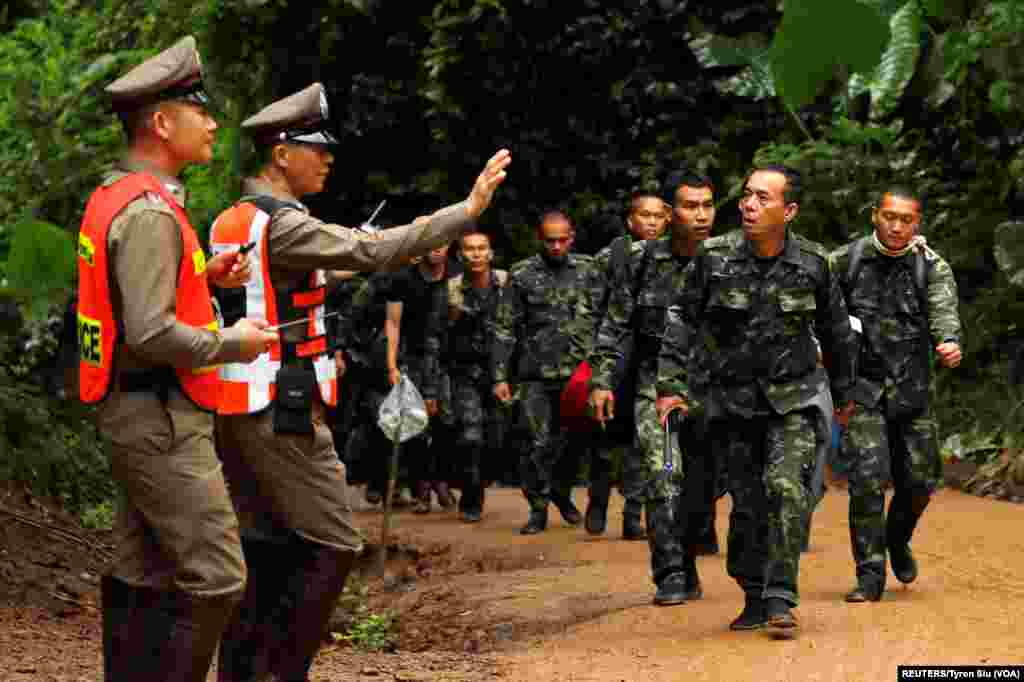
x=403, y=414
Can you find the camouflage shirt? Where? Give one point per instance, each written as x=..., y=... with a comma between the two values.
x=751, y=324
x=470, y=328
x=898, y=335
x=544, y=320
x=636, y=310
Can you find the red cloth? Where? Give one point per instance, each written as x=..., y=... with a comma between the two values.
x=574, y=407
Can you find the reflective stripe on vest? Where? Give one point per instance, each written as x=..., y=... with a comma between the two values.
x=98, y=330
x=249, y=388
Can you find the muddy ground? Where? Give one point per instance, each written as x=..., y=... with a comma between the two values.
x=482, y=602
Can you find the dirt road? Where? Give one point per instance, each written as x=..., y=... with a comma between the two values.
x=482, y=602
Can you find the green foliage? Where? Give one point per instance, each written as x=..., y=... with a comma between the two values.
x=755, y=80
x=372, y=631
x=58, y=135
x=100, y=516
x=40, y=265
x=890, y=77
x=818, y=39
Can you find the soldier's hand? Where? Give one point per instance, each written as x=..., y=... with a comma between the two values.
x=431, y=404
x=503, y=392
x=949, y=354
x=254, y=341
x=229, y=270
x=603, y=402
x=667, y=403
x=394, y=376
x=844, y=413
x=492, y=175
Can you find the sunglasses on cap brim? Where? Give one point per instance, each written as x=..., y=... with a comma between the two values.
x=320, y=138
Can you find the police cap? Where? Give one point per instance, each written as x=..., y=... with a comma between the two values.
x=299, y=118
x=174, y=74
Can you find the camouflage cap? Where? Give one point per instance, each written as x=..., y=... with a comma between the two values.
x=175, y=73
x=298, y=118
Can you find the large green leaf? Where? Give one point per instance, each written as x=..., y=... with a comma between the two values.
x=889, y=79
x=755, y=81
x=817, y=37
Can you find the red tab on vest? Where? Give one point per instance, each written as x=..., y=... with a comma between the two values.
x=315, y=346
x=310, y=298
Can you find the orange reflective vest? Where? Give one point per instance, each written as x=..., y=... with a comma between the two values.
x=249, y=388
x=98, y=330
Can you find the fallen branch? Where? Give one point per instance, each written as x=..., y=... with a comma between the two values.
x=59, y=532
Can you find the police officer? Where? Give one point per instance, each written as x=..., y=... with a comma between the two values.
x=749, y=309
x=647, y=217
x=902, y=297
x=472, y=305
x=149, y=343
x=286, y=480
x=544, y=320
x=677, y=494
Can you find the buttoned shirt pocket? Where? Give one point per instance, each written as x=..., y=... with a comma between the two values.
x=799, y=307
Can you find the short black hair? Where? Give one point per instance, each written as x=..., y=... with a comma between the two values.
x=555, y=214
x=902, y=192
x=640, y=194
x=794, y=180
x=684, y=178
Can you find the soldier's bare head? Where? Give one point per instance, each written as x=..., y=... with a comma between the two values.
x=476, y=251
x=693, y=205
x=897, y=217
x=648, y=216
x=557, y=233
x=770, y=201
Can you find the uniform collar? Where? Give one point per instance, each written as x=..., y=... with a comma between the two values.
x=259, y=186
x=790, y=249
x=174, y=186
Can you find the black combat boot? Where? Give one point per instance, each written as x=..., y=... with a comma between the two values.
x=904, y=512
x=128, y=632
x=671, y=590
x=249, y=635
x=752, y=617
x=188, y=629
x=632, y=521
x=567, y=509
x=694, y=590
x=781, y=622
x=707, y=544
x=537, y=523
x=312, y=594
x=597, y=503
x=865, y=590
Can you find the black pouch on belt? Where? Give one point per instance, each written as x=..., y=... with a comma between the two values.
x=293, y=404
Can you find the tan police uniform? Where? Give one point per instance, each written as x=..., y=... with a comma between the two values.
x=178, y=568
x=289, y=490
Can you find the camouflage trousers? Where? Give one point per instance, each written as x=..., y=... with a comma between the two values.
x=548, y=469
x=770, y=461
x=679, y=495
x=478, y=426
x=880, y=449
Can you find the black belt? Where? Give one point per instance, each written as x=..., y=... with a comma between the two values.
x=158, y=380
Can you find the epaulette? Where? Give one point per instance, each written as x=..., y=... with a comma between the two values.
x=581, y=258
x=811, y=247
x=522, y=264
x=724, y=241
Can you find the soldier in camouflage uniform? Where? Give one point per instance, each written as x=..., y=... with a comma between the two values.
x=749, y=308
x=678, y=495
x=903, y=297
x=472, y=305
x=544, y=323
x=647, y=218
